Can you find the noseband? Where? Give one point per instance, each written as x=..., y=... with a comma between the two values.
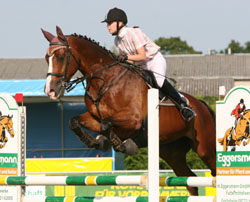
x=64, y=75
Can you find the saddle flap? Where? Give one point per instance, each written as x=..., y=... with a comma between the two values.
x=165, y=101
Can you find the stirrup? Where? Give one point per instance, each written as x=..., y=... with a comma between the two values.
x=189, y=109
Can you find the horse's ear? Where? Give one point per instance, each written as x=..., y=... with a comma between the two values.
x=48, y=35
x=60, y=34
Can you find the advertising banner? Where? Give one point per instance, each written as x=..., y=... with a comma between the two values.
x=233, y=148
x=68, y=165
x=12, y=131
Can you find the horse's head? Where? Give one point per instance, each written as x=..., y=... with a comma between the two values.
x=62, y=63
x=8, y=124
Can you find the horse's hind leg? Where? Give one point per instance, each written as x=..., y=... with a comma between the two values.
x=206, y=149
x=175, y=155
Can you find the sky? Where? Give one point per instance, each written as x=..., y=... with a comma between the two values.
x=204, y=24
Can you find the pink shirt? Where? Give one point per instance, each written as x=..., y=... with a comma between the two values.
x=130, y=39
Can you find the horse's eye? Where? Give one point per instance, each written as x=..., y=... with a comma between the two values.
x=61, y=58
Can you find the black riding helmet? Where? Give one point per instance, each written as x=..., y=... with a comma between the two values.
x=116, y=15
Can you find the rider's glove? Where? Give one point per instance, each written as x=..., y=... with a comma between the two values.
x=122, y=58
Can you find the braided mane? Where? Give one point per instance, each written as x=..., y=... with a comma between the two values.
x=96, y=43
x=136, y=68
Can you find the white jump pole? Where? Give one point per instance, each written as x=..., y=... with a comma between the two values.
x=153, y=145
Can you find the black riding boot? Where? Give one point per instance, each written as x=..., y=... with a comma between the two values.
x=185, y=110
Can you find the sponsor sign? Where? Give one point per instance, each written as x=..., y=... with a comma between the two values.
x=232, y=145
x=12, y=130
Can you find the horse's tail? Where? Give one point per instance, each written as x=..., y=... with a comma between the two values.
x=210, y=110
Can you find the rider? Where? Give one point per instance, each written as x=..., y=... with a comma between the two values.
x=238, y=112
x=135, y=46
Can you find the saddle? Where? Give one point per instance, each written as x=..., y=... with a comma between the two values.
x=149, y=78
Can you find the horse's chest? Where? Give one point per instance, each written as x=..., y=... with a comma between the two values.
x=100, y=107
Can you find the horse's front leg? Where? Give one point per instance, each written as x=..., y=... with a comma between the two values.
x=87, y=121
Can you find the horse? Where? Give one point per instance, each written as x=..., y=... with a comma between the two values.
x=6, y=123
x=116, y=99
x=236, y=136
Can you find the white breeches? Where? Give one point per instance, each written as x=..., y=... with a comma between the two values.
x=158, y=66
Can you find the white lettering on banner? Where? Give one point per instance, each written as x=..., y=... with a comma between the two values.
x=8, y=159
x=228, y=159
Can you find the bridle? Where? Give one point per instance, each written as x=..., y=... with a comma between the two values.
x=68, y=53
x=69, y=85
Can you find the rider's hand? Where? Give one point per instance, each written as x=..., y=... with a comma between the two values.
x=122, y=58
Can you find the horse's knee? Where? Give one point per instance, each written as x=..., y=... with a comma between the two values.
x=73, y=123
x=106, y=126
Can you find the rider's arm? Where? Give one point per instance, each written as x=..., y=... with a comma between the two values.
x=140, y=56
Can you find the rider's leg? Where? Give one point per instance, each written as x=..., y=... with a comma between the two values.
x=234, y=123
x=185, y=110
x=159, y=67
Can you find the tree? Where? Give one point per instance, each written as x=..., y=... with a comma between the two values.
x=247, y=47
x=174, y=45
x=235, y=47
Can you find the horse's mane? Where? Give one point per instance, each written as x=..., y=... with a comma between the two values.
x=96, y=43
x=145, y=74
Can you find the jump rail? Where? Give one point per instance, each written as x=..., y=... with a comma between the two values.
x=106, y=180
x=119, y=199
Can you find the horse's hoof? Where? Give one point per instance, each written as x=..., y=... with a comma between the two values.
x=103, y=143
x=130, y=147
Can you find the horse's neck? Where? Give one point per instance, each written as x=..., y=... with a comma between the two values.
x=94, y=57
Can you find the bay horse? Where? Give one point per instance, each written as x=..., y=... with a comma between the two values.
x=6, y=123
x=116, y=99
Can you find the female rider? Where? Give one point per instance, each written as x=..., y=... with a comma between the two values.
x=135, y=46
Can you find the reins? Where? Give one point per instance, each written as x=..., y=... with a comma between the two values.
x=72, y=84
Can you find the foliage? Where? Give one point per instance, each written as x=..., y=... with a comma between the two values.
x=236, y=47
x=174, y=45
x=210, y=100
x=140, y=161
x=114, y=50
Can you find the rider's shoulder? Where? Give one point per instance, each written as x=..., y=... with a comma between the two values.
x=135, y=30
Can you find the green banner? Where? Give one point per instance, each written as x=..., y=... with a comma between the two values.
x=233, y=159
x=8, y=160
